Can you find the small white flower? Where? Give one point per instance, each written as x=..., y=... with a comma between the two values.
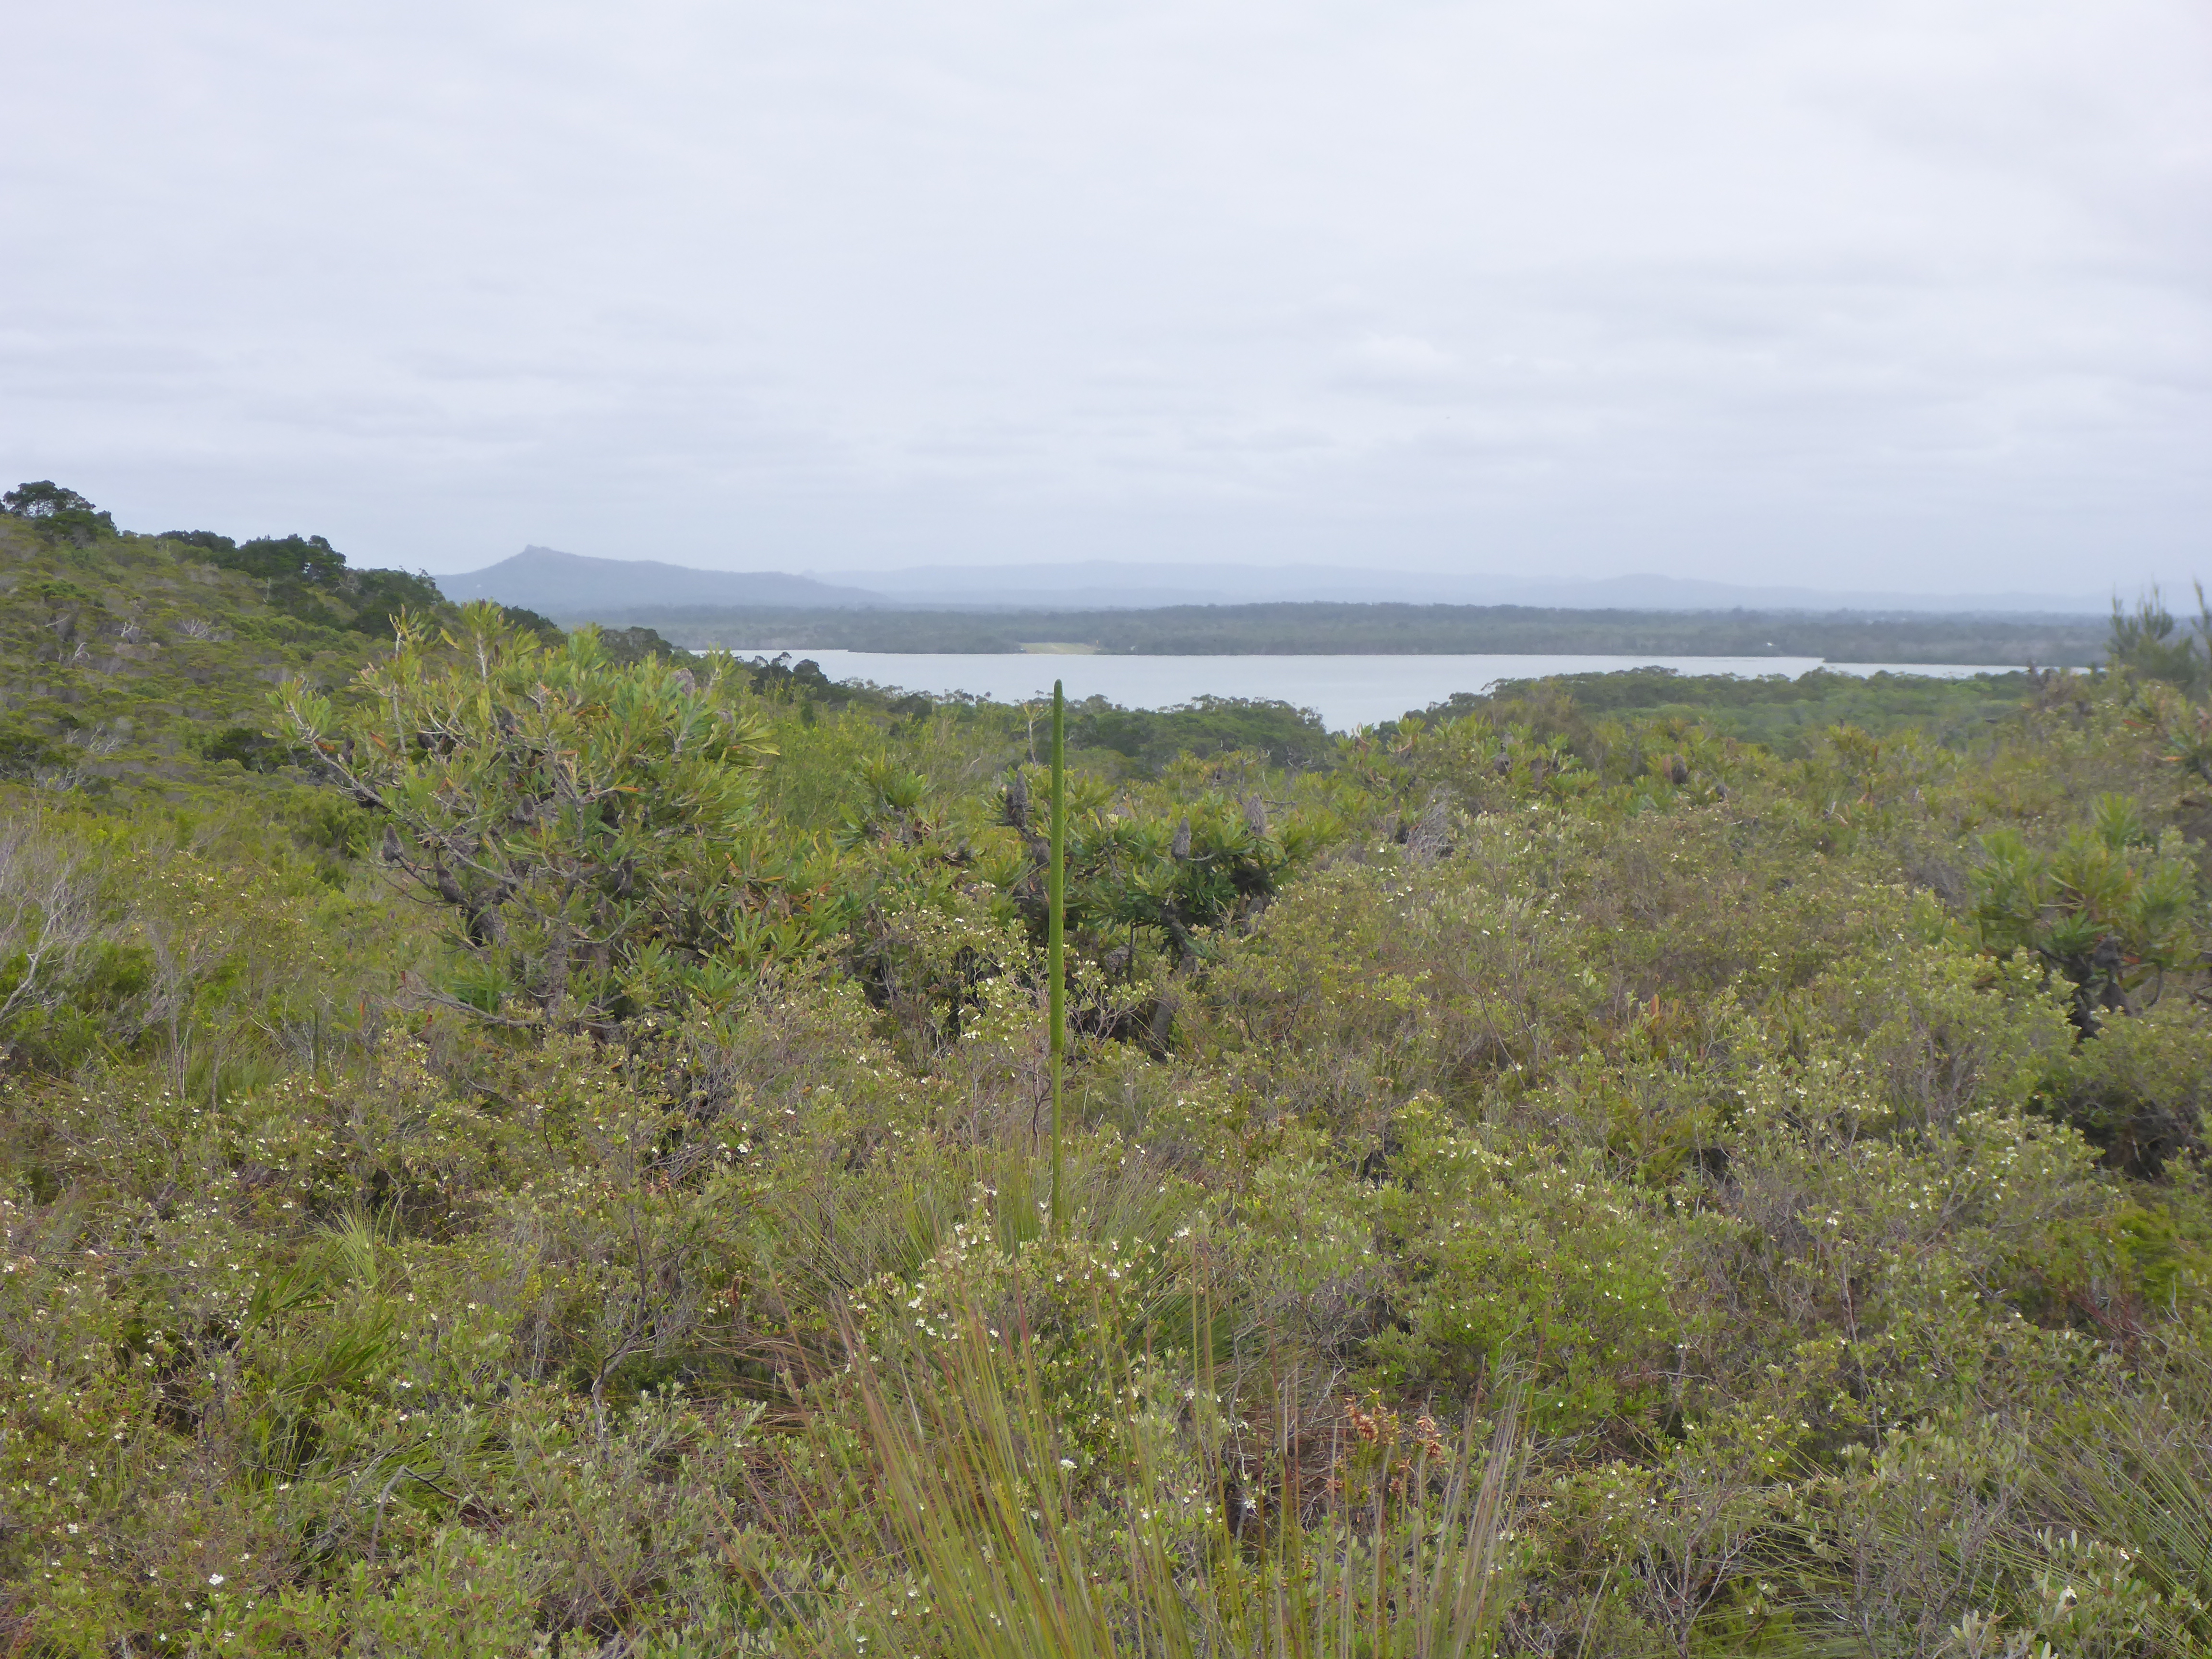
x=1067, y=1462
x=214, y=1578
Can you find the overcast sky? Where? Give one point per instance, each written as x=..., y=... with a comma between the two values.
x=1909, y=293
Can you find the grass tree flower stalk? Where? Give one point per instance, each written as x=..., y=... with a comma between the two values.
x=1056, y=942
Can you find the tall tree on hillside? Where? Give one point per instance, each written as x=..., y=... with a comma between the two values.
x=43, y=499
x=58, y=511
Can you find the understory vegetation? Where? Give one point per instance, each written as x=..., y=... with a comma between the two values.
x=518, y=1142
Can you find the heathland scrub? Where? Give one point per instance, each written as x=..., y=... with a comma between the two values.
x=507, y=1144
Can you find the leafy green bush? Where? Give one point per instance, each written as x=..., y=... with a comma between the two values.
x=2147, y=641
x=576, y=817
x=2109, y=910
x=25, y=751
x=2139, y=1092
x=1205, y=727
x=1552, y=1268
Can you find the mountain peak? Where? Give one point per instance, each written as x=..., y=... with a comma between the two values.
x=570, y=587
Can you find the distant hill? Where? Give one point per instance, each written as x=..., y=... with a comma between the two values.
x=573, y=588
x=1100, y=585
x=568, y=587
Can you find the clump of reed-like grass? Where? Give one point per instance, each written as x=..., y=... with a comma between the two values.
x=1003, y=1526
x=2134, y=1471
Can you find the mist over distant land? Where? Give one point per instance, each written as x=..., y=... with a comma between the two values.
x=568, y=584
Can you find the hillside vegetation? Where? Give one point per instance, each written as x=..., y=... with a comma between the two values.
x=1789, y=716
x=538, y=1146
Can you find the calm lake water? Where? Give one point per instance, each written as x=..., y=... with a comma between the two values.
x=1348, y=691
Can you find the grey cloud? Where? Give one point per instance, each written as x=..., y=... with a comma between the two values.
x=1596, y=285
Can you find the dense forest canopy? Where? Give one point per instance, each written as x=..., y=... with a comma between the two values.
x=525, y=1141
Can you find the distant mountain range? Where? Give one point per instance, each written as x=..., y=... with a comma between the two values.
x=570, y=587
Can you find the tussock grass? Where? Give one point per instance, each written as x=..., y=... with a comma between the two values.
x=997, y=1530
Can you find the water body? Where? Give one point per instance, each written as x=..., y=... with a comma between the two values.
x=1345, y=690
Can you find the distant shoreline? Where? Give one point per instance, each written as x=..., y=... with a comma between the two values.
x=1343, y=692
x=1322, y=629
